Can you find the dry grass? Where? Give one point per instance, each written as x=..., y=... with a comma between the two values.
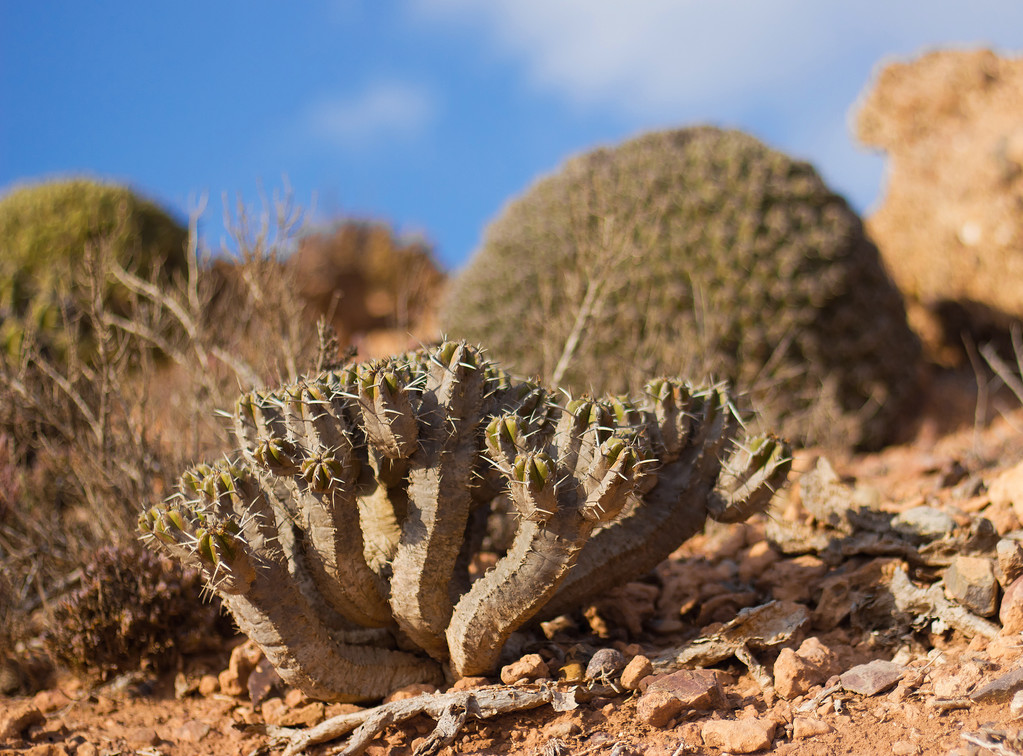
x=89, y=440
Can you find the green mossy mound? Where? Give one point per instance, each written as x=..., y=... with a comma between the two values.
x=47, y=230
x=699, y=252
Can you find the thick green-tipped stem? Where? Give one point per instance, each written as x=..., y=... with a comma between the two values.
x=668, y=514
x=439, y=490
x=555, y=523
x=750, y=478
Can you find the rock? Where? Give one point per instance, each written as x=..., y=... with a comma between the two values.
x=605, y=665
x=1010, y=613
x=832, y=501
x=657, y=708
x=1016, y=705
x=244, y=658
x=905, y=748
x=1001, y=689
x=563, y=727
x=794, y=675
x=956, y=682
x=262, y=682
x=637, y=668
x=1010, y=560
x=808, y=727
x=949, y=226
x=793, y=579
x=412, y=690
x=820, y=656
x=208, y=685
x=757, y=558
x=529, y=667
x=871, y=678
x=305, y=716
x=924, y=523
x=970, y=582
x=738, y=735
x=19, y=718
x=142, y=737
x=50, y=700
x=193, y=731
x=1007, y=488
x=694, y=688
x=470, y=683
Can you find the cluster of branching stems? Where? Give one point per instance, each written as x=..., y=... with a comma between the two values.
x=342, y=534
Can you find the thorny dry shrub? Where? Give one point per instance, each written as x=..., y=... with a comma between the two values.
x=92, y=441
x=132, y=610
x=364, y=278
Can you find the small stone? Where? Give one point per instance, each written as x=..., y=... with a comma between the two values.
x=924, y=523
x=694, y=688
x=50, y=700
x=295, y=698
x=758, y=558
x=304, y=716
x=193, y=731
x=820, y=656
x=1001, y=689
x=272, y=710
x=1016, y=705
x=605, y=665
x=563, y=727
x=1010, y=560
x=244, y=658
x=794, y=675
x=470, y=683
x=970, y=582
x=738, y=735
x=1010, y=613
x=637, y=668
x=658, y=707
x=793, y=579
x=956, y=682
x=208, y=685
x=1008, y=488
x=529, y=667
x=410, y=691
x=808, y=727
x=184, y=685
x=142, y=736
x=872, y=678
x=86, y=749
x=18, y=719
x=905, y=748
x=263, y=681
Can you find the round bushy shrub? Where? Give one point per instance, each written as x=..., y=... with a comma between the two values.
x=46, y=230
x=702, y=252
x=133, y=610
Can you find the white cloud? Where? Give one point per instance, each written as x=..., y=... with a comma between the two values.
x=791, y=69
x=651, y=55
x=380, y=113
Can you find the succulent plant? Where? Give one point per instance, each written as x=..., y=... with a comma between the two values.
x=45, y=231
x=703, y=252
x=341, y=539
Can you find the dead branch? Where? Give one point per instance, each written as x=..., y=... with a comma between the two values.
x=451, y=710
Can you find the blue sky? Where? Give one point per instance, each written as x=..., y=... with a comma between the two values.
x=431, y=114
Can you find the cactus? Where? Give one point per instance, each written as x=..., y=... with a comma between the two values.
x=704, y=252
x=341, y=537
x=46, y=230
